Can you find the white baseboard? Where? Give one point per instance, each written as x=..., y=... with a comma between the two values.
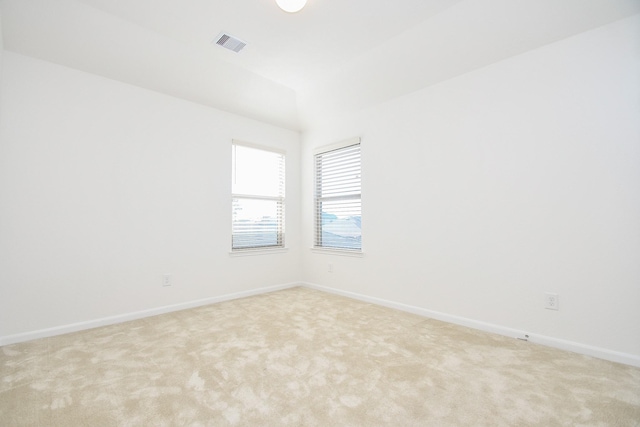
x=601, y=353
x=105, y=321
x=614, y=356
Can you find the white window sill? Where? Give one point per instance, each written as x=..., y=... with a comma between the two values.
x=339, y=252
x=251, y=252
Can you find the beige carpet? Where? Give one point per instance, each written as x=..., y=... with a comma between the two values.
x=305, y=358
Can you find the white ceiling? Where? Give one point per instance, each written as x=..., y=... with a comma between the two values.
x=334, y=55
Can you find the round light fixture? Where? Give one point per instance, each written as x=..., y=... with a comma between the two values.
x=291, y=6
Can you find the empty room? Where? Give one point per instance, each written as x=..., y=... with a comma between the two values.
x=319, y=213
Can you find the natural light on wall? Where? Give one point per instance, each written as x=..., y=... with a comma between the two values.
x=291, y=6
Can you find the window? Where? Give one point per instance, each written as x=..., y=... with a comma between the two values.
x=257, y=197
x=337, y=197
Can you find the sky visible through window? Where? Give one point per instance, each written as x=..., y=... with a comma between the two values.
x=258, y=198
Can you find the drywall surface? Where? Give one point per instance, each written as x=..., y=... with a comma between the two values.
x=1, y=53
x=484, y=192
x=106, y=187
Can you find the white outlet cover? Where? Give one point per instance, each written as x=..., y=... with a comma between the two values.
x=166, y=280
x=551, y=301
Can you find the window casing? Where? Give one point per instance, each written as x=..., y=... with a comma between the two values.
x=258, y=197
x=338, y=208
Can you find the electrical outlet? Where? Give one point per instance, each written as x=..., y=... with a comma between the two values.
x=330, y=269
x=551, y=301
x=166, y=280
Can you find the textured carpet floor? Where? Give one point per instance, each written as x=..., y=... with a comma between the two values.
x=306, y=358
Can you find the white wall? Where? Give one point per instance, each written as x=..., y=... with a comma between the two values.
x=105, y=187
x=1, y=53
x=484, y=192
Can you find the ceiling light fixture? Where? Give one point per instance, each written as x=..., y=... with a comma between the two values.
x=291, y=6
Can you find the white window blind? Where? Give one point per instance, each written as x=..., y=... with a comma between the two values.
x=337, y=198
x=258, y=185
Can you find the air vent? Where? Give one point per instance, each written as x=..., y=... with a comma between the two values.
x=230, y=42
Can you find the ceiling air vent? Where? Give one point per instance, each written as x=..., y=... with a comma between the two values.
x=230, y=42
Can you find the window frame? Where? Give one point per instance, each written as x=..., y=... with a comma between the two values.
x=317, y=199
x=280, y=199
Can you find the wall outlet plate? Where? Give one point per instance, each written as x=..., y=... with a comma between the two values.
x=551, y=301
x=166, y=280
